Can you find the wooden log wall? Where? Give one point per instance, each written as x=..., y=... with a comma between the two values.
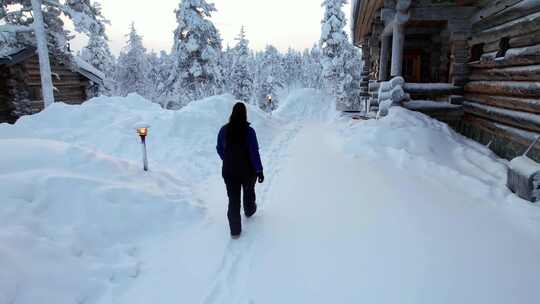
x=18, y=92
x=502, y=96
x=70, y=86
x=6, y=108
x=20, y=88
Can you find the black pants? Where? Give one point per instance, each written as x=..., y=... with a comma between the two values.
x=235, y=185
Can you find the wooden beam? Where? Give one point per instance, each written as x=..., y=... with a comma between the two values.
x=366, y=15
x=504, y=88
x=499, y=131
x=493, y=9
x=525, y=40
x=442, y=13
x=508, y=11
x=61, y=83
x=520, y=73
x=518, y=27
x=514, y=57
x=522, y=120
x=512, y=103
x=384, y=59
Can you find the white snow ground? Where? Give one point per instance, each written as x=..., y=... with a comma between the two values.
x=399, y=210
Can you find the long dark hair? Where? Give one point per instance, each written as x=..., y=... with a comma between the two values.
x=238, y=124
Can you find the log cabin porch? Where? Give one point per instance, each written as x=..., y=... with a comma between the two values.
x=471, y=63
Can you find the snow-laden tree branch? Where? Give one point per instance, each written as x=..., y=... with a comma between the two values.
x=15, y=28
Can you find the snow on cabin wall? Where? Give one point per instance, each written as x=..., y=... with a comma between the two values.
x=502, y=96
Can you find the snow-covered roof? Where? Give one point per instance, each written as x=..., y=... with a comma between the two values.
x=80, y=66
x=355, y=5
x=14, y=55
x=8, y=52
x=355, y=10
x=88, y=70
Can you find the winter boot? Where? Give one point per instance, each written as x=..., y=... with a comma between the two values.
x=251, y=211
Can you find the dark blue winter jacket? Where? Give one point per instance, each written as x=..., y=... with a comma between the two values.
x=239, y=159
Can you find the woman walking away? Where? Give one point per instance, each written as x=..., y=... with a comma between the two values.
x=238, y=148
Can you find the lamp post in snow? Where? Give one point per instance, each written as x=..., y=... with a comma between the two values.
x=270, y=104
x=142, y=130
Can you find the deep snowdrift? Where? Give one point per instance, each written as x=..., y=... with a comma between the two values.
x=71, y=220
x=426, y=148
x=75, y=203
x=348, y=206
x=179, y=141
x=306, y=105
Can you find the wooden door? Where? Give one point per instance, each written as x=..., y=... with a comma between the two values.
x=412, y=66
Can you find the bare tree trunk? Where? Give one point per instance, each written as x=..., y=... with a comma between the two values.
x=43, y=53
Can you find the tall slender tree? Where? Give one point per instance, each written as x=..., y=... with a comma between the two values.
x=352, y=67
x=271, y=78
x=241, y=80
x=197, y=49
x=97, y=51
x=292, y=63
x=312, y=68
x=132, y=66
x=340, y=67
x=333, y=43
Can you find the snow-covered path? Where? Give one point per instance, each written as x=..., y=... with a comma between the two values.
x=332, y=234
x=332, y=230
x=399, y=210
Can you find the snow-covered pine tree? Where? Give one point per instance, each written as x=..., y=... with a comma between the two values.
x=197, y=49
x=98, y=54
x=165, y=64
x=97, y=51
x=312, y=68
x=241, y=80
x=8, y=35
x=271, y=78
x=352, y=61
x=334, y=41
x=292, y=63
x=226, y=65
x=87, y=15
x=38, y=23
x=132, y=66
x=157, y=74
x=152, y=75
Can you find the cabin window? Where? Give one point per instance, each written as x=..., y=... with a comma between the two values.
x=477, y=51
x=504, y=45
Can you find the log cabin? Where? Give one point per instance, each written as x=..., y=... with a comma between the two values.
x=474, y=64
x=20, y=83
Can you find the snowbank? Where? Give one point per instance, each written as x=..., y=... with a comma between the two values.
x=82, y=223
x=427, y=147
x=72, y=220
x=76, y=206
x=306, y=105
x=179, y=141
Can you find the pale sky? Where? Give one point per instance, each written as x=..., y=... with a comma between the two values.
x=282, y=23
